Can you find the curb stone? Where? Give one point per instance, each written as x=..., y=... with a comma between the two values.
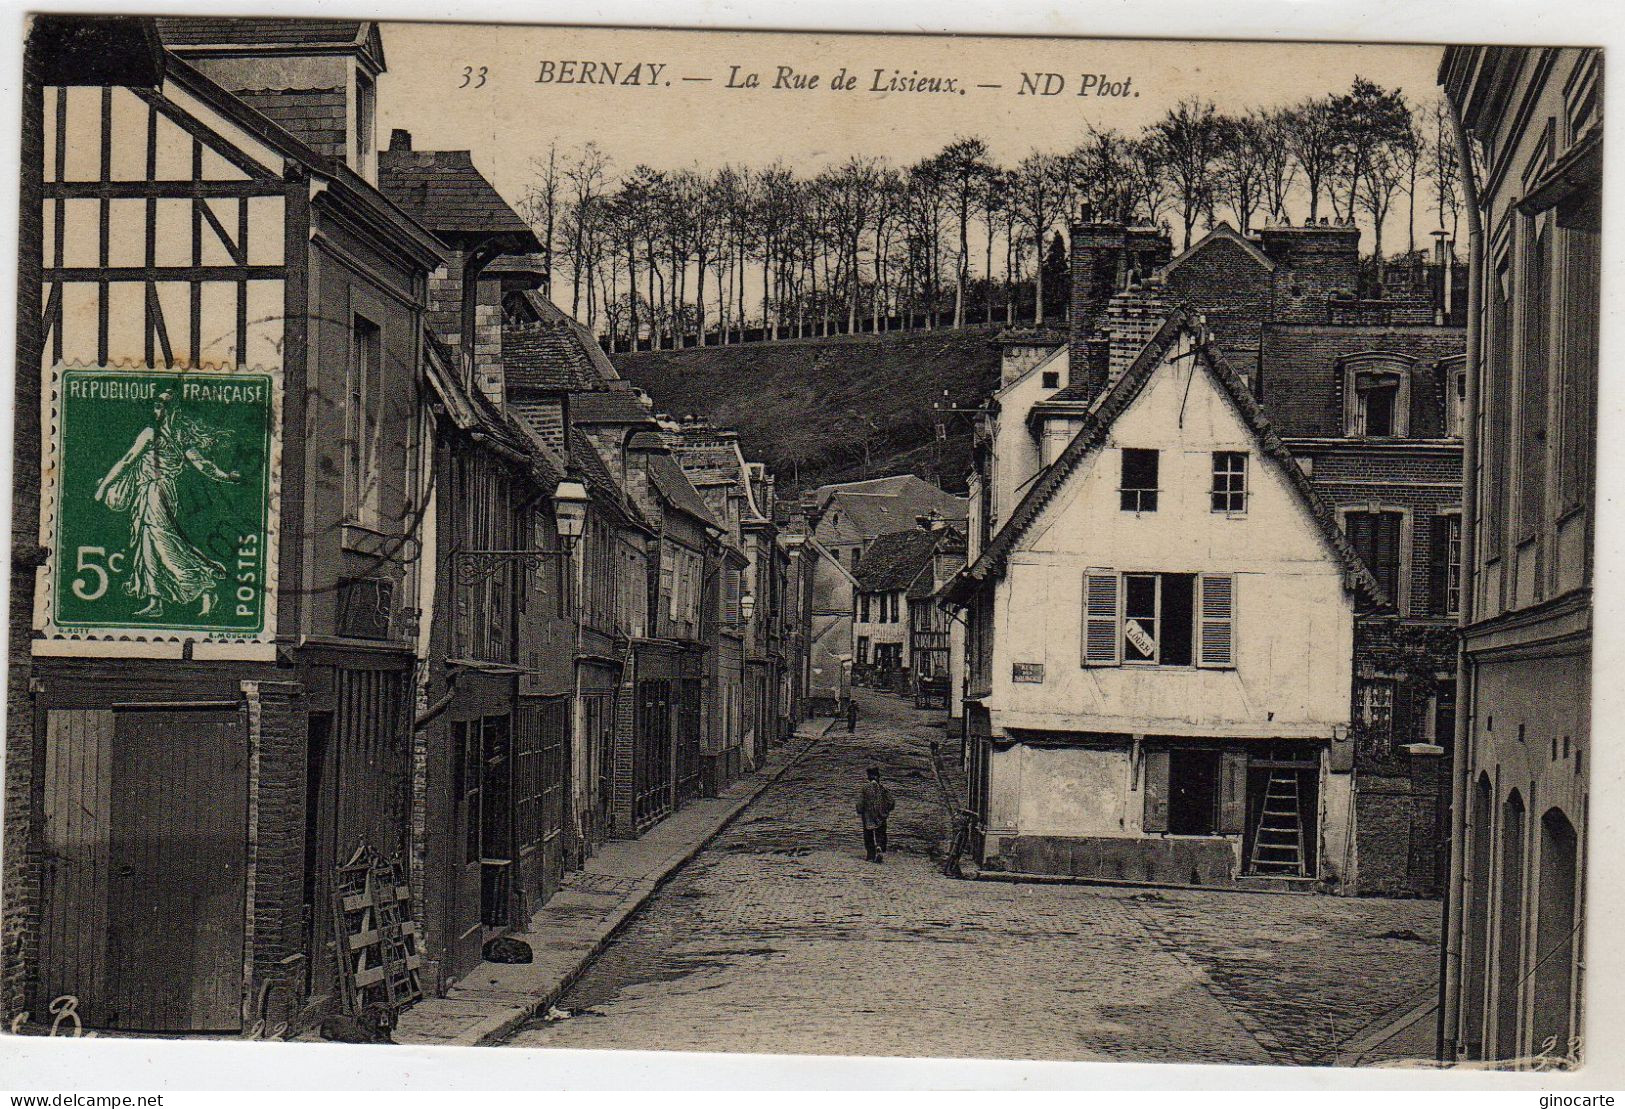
x=504, y=1023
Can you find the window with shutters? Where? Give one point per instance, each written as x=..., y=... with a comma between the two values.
x=1216, y=621
x=1576, y=410
x=1229, y=481
x=1139, y=487
x=1144, y=619
x=1377, y=536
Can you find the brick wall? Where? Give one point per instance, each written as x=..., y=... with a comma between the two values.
x=277, y=740
x=1312, y=264
x=1232, y=290
x=1303, y=380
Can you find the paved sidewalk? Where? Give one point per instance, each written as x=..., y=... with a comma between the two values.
x=577, y=922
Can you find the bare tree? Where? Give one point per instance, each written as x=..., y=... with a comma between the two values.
x=1240, y=168
x=539, y=206
x=1311, y=133
x=1039, y=199
x=1278, y=170
x=995, y=200
x=587, y=178
x=964, y=168
x=1189, y=139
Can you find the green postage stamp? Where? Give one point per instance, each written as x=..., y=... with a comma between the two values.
x=158, y=524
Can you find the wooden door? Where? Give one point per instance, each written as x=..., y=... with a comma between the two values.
x=555, y=781
x=78, y=775
x=178, y=860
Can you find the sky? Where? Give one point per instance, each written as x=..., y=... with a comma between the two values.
x=476, y=87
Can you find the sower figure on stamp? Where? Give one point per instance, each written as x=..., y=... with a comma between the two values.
x=874, y=806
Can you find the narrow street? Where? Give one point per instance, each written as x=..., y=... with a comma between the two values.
x=780, y=938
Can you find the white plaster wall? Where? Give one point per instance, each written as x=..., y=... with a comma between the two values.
x=1294, y=620
x=1015, y=455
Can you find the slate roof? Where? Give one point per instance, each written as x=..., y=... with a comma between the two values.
x=235, y=31
x=1092, y=436
x=444, y=192
x=860, y=510
x=895, y=559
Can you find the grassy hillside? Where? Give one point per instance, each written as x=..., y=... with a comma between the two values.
x=835, y=409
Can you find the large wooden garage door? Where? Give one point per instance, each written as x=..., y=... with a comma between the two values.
x=145, y=829
x=179, y=863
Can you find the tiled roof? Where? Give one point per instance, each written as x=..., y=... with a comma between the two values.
x=1092, y=436
x=676, y=490
x=545, y=358
x=608, y=406
x=895, y=559
x=444, y=192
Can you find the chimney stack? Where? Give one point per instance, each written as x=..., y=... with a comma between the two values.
x=400, y=139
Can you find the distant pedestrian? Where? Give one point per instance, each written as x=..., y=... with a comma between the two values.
x=874, y=806
x=851, y=716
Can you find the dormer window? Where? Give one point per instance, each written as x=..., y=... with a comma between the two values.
x=1376, y=397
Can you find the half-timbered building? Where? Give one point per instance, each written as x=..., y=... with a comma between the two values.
x=218, y=468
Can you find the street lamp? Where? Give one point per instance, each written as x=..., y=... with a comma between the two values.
x=569, y=510
x=569, y=515
x=747, y=606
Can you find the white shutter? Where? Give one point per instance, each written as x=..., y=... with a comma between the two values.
x=1217, y=646
x=1102, y=643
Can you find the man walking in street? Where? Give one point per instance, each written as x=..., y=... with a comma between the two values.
x=874, y=806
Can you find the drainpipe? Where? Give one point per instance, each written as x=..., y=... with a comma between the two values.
x=1466, y=709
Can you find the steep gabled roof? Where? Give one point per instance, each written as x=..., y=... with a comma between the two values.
x=1097, y=423
x=676, y=490
x=1223, y=231
x=895, y=559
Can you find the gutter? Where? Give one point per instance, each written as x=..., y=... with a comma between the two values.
x=1448, y=1036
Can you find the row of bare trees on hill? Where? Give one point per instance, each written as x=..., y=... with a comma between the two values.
x=664, y=258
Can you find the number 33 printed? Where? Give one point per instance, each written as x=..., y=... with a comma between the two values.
x=473, y=76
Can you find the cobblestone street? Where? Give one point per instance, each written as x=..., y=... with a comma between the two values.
x=780, y=938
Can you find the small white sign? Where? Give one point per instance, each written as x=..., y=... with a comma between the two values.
x=1139, y=637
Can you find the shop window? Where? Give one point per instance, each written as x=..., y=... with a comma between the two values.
x=1139, y=488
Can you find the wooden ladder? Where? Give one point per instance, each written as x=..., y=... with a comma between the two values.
x=1278, y=847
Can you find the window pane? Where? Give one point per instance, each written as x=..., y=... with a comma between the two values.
x=1379, y=410
x=1140, y=612
x=1139, y=481
x=1178, y=591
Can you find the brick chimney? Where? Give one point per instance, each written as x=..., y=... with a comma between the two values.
x=1313, y=263
x=1106, y=258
